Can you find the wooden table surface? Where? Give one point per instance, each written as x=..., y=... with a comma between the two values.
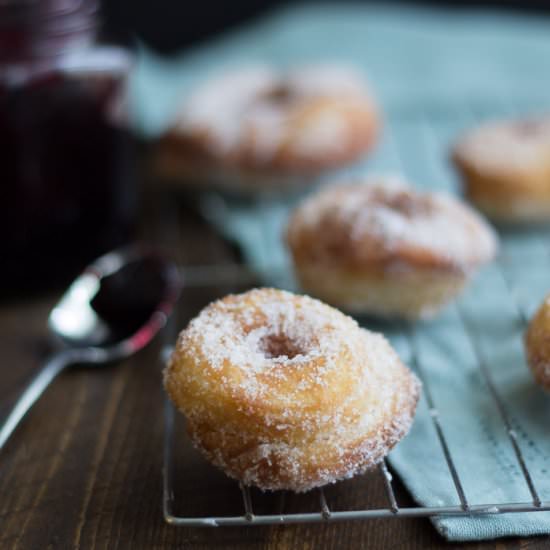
x=84, y=470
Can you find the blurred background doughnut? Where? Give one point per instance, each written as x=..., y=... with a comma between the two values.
x=257, y=128
x=380, y=247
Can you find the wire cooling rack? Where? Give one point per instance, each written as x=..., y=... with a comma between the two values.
x=416, y=144
x=220, y=275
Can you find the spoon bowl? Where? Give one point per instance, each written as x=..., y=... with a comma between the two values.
x=115, y=298
x=111, y=311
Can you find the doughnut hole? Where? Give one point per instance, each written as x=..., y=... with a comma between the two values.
x=529, y=128
x=276, y=346
x=405, y=203
x=279, y=95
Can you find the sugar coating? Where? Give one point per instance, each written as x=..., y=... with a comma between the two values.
x=283, y=392
x=258, y=104
x=506, y=145
x=385, y=220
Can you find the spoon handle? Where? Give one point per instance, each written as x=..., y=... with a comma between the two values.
x=34, y=390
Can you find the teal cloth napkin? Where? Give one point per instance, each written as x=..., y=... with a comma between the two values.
x=435, y=72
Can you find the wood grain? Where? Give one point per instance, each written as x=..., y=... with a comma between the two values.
x=84, y=468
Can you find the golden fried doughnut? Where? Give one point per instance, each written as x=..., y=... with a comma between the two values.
x=284, y=392
x=505, y=168
x=256, y=128
x=537, y=344
x=379, y=247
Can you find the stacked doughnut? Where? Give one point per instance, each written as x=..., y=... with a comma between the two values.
x=258, y=128
x=284, y=392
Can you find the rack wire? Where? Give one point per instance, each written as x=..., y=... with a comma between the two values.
x=324, y=514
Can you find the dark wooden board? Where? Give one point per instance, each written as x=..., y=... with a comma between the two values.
x=84, y=470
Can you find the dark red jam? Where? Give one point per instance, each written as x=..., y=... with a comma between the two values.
x=67, y=194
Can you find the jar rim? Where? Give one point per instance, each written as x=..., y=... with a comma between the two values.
x=38, y=29
x=38, y=12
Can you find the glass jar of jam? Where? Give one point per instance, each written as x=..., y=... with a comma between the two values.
x=66, y=190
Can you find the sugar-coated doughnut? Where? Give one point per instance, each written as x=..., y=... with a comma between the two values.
x=281, y=391
x=505, y=168
x=380, y=247
x=258, y=128
x=537, y=344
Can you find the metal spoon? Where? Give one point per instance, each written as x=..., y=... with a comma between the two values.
x=111, y=311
